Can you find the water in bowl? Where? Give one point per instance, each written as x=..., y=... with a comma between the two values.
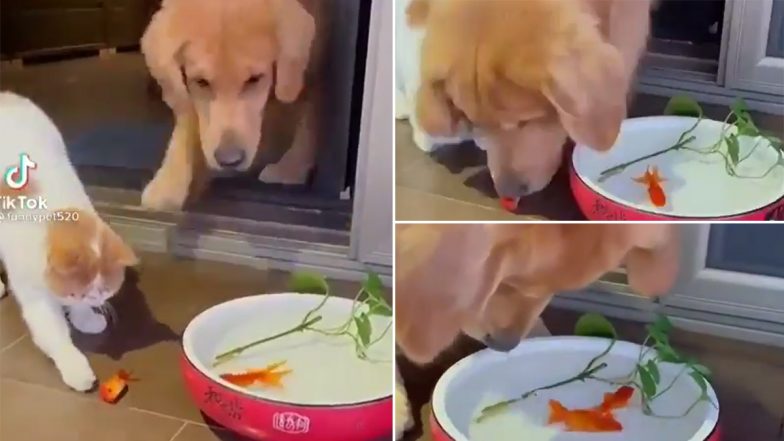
x=325, y=369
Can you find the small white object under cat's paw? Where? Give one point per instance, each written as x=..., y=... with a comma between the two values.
x=86, y=320
x=76, y=371
x=404, y=420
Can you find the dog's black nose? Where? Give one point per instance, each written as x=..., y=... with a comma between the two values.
x=501, y=343
x=229, y=156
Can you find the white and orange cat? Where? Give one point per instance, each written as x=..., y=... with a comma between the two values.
x=61, y=260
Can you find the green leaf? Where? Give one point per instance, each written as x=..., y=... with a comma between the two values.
x=658, y=336
x=374, y=286
x=739, y=107
x=733, y=148
x=380, y=309
x=308, y=282
x=683, y=106
x=668, y=354
x=702, y=369
x=363, y=328
x=648, y=385
x=594, y=325
x=700, y=380
x=663, y=324
x=653, y=370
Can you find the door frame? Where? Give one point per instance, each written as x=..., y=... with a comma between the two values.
x=748, y=66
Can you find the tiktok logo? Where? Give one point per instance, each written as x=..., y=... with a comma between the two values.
x=17, y=176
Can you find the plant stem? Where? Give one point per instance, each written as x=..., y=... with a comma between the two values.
x=493, y=409
x=228, y=355
x=621, y=167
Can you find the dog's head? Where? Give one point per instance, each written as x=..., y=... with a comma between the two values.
x=221, y=59
x=493, y=281
x=525, y=74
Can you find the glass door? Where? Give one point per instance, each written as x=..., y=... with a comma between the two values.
x=755, y=56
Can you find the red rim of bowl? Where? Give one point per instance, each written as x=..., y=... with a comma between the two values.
x=236, y=389
x=577, y=175
x=467, y=360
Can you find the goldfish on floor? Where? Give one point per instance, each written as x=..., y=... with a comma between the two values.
x=269, y=376
x=653, y=181
x=111, y=389
x=596, y=419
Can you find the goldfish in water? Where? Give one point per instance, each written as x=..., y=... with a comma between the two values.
x=597, y=419
x=616, y=400
x=269, y=376
x=583, y=420
x=653, y=181
x=111, y=389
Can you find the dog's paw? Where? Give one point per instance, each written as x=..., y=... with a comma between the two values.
x=279, y=174
x=76, y=371
x=86, y=320
x=162, y=195
x=404, y=420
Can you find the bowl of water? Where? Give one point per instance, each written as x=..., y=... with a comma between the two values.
x=488, y=377
x=331, y=394
x=697, y=184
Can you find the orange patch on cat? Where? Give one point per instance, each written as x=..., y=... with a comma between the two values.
x=81, y=248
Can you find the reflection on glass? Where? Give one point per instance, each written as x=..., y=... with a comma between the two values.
x=776, y=35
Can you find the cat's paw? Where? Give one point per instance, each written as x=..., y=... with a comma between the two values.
x=280, y=174
x=423, y=141
x=404, y=420
x=3, y=291
x=76, y=371
x=162, y=195
x=86, y=320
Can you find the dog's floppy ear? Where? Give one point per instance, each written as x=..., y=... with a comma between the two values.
x=162, y=45
x=652, y=264
x=295, y=31
x=587, y=87
x=442, y=274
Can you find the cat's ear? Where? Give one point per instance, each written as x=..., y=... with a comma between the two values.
x=115, y=251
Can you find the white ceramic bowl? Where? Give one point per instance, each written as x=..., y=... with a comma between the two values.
x=487, y=377
x=696, y=187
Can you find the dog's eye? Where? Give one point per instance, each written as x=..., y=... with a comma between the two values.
x=253, y=79
x=201, y=82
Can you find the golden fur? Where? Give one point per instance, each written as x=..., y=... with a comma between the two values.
x=493, y=281
x=217, y=63
x=528, y=73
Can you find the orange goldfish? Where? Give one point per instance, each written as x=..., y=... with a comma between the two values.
x=111, y=389
x=653, y=181
x=616, y=400
x=583, y=420
x=597, y=419
x=269, y=376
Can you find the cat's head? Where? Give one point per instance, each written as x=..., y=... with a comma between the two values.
x=86, y=260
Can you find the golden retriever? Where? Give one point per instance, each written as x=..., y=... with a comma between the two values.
x=218, y=62
x=526, y=74
x=492, y=281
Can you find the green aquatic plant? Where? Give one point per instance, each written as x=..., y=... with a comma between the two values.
x=736, y=125
x=368, y=302
x=644, y=376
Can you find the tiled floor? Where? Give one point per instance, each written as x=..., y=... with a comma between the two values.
x=748, y=378
x=153, y=309
x=453, y=183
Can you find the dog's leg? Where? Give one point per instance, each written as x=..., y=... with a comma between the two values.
x=404, y=420
x=297, y=162
x=168, y=190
